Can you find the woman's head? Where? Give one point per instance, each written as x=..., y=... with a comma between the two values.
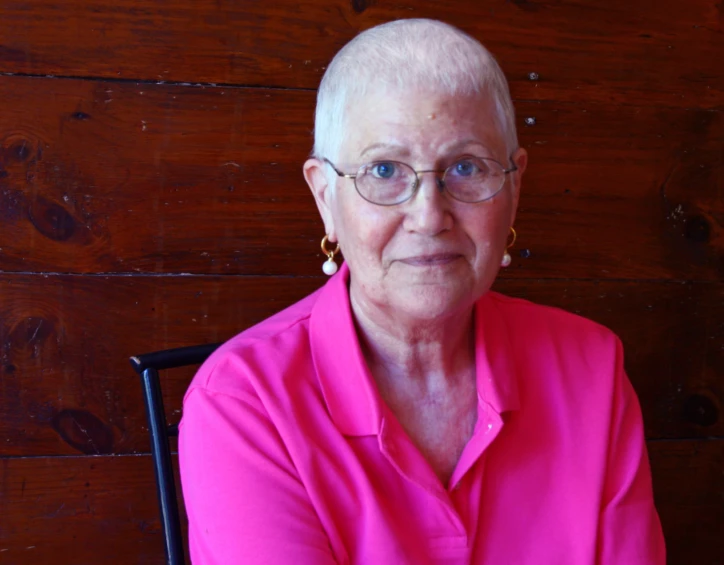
x=410, y=54
x=425, y=95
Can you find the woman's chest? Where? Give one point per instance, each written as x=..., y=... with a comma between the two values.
x=439, y=431
x=380, y=503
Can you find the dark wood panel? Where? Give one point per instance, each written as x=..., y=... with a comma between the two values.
x=97, y=510
x=67, y=386
x=80, y=511
x=618, y=51
x=689, y=490
x=99, y=177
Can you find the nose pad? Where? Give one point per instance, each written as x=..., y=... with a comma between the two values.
x=440, y=184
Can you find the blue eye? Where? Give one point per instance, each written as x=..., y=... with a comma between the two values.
x=465, y=168
x=384, y=170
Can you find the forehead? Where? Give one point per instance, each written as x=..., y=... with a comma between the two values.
x=421, y=125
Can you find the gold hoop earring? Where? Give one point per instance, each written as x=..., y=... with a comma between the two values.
x=507, y=259
x=329, y=267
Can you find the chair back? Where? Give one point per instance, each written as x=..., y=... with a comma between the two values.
x=147, y=366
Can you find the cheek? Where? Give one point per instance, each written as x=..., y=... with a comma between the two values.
x=365, y=232
x=488, y=232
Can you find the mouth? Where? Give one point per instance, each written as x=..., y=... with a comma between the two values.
x=433, y=260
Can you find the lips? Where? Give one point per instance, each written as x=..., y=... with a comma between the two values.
x=431, y=260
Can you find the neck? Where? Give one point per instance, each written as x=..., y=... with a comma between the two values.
x=430, y=355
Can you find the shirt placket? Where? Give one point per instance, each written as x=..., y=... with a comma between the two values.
x=449, y=544
x=461, y=501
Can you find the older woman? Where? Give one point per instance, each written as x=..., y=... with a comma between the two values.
x=404, y=413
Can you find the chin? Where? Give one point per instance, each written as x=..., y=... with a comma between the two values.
x=433, y=302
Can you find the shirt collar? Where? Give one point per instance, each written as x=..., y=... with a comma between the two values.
x=347, y=385
x=497, y=377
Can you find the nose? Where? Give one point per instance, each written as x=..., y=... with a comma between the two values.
x=428, y=211
x=437, y=175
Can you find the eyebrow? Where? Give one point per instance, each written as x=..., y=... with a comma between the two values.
x=405, y=152
x=401, y=149
x=457, y=146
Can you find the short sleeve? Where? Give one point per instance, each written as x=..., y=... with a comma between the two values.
x=630, y=531
x=244, y=500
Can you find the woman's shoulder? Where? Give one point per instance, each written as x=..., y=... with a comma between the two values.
x=280, y=341
x=525, y=316
x=557, y=349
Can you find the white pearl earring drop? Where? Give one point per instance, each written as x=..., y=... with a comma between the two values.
x=330, y=266
x=507, y=259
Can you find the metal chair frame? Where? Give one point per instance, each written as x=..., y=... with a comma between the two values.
x=147, y=366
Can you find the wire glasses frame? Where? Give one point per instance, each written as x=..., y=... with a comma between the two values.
x=409, y=191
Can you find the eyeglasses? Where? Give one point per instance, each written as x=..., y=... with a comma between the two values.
x=469, y=179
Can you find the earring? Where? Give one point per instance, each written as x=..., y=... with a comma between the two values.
x=329, y=267
x=507, y=260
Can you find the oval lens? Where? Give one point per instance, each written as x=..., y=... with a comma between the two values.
x=472, y=179
x=385, y=182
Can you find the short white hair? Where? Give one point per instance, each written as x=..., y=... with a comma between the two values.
x=402, y=55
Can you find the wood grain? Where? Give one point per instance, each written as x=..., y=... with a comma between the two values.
x=98, y=177
x=68, y=387
x=102, y=510
x=67, y=383
x=79, y=511
x=689, y=491
x=620, y=51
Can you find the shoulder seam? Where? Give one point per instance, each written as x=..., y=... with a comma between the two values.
x=207, y=390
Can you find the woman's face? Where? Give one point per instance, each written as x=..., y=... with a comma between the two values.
x=430, y=256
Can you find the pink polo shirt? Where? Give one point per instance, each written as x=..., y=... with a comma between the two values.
x=288, y=455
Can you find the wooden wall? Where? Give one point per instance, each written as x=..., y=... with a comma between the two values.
x=151, y=196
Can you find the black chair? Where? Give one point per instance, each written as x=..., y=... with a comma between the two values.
x=148, y=366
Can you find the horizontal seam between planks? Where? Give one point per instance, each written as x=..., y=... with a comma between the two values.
x=288, y=276
x=160, y=82
x=158, y=275
x=79, y=456
x=715, y=109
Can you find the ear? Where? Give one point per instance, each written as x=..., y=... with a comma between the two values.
x=520, y=158
x=316, y=177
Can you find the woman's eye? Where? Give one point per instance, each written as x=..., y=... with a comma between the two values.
x=384, y=170
x=466, y=168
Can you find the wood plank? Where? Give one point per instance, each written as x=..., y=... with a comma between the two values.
x=67, y=387
x=619, y=51
x=689, y=491
x=80, y=511
x=97, y=510
x=99, y=177
x=67, y=384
